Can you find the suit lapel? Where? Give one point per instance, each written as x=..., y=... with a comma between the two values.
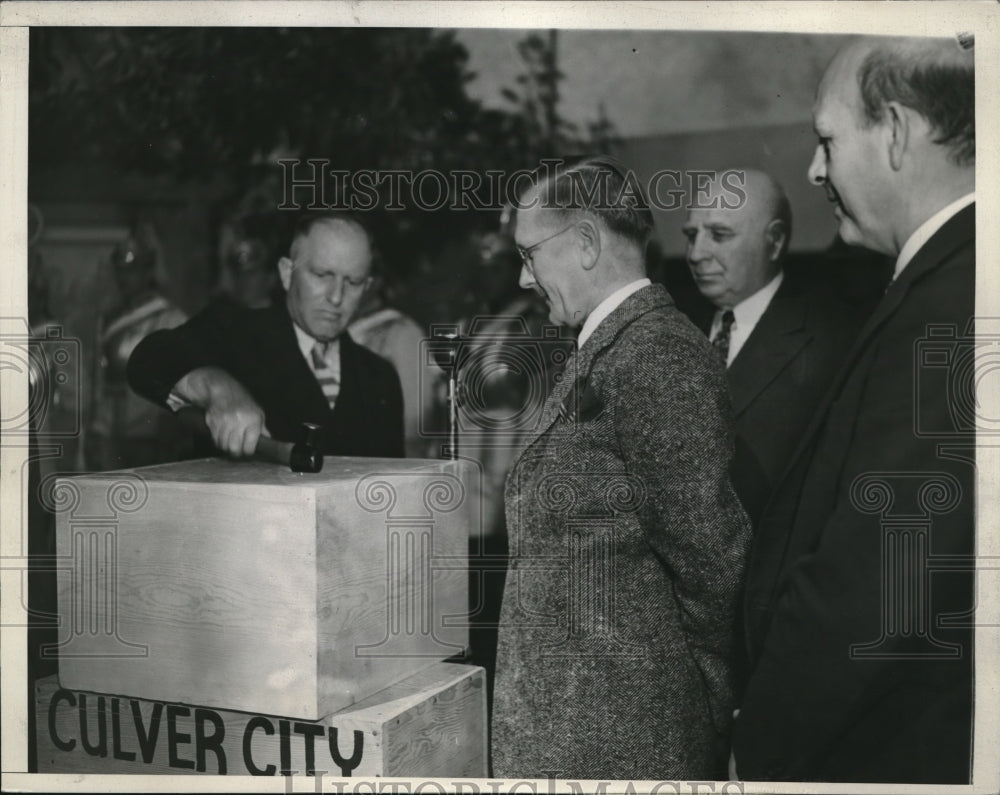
x=777, y=338
x=553, y=403
x=293, y=369
x=580, y=362
x=781, y=512
x=955, y=233
x=350, y=376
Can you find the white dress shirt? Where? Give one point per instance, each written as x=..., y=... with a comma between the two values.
x=746, y=314
x=332, y=356
x=606, y=307
x=926, y=231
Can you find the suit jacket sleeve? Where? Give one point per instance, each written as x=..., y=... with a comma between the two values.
x=164, y=357
x=672, y=420
x=810, y=685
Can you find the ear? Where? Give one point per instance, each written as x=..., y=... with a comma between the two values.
x=897, y=122
x=776, y=234
x=590, y=237
x=285, y=267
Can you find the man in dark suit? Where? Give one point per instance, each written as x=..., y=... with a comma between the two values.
x=627, y=542
x=782, y=339
x=861, y=645
x=266, y=371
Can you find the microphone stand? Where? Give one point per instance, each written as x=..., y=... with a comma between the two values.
x=445, y=344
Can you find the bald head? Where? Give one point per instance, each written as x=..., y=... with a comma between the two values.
x=895, y=120
x=735, y=251
x=326, y=274
x=934, y=77
x=340, y=225
x=766, y=202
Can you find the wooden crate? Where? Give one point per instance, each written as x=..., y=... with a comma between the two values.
x=244, y=586
x=431, y=725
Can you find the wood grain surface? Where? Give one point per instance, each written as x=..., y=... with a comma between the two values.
x=243, y=586
x=432, y=724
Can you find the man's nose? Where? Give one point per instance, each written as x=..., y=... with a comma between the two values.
x=526, y=279
x=817, y=168
x=336, y=292
x=698, y=250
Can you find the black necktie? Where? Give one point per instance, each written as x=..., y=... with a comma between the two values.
x=721, y=341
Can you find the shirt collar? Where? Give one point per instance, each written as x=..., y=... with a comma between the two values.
x=748, y=311
x=926, y=231
x=606, y=307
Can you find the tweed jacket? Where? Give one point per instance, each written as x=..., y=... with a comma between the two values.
x=860, y=644
x=627, y=550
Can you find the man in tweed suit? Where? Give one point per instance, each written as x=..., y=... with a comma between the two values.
x=627, y=542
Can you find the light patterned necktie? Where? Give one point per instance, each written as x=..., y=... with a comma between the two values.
x=327, y=378
x=721, y=341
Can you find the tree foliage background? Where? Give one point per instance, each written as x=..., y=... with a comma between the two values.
x=223, y=104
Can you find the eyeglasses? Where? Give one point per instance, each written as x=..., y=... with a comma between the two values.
x=526, y=252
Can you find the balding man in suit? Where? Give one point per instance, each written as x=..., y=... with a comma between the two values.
x=861, y=652
x=781, y=337
x=267, y=371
